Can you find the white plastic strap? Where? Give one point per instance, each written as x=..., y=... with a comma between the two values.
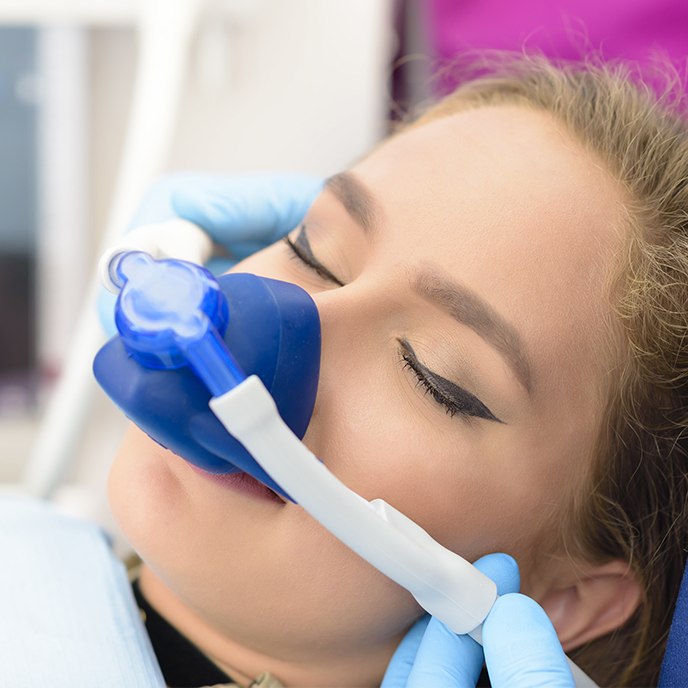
x=444, y=584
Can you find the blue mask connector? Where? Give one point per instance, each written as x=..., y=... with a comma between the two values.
x=171, y=314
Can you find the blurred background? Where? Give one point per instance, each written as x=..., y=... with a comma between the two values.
x=258, y=85
x=100, y=97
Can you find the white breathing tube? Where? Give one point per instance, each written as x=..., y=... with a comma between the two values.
x=444, y=583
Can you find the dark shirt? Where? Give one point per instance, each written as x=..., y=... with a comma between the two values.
x=183, y=664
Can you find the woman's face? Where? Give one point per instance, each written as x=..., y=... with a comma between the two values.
x=461, y=281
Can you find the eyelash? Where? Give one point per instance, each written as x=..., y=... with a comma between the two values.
x=451, y=407
x=297, y=253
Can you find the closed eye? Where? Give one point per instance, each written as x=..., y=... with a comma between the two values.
x=301, y=250
x=454, y=399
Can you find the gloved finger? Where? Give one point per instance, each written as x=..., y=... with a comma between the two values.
x=156, y=204
x=521, y=646
x=399, y=668
x=447, y=660
x=260, y=208
x=502, y=569
x=242, y=213
x=504, y=572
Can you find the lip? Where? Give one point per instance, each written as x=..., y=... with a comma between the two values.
x=240, y=482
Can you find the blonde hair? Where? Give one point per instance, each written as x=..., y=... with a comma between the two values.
x=635, y=504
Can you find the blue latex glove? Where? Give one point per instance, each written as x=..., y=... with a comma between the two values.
x=521, y=648
x=242, y=213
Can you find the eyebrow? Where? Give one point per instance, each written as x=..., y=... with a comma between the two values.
x=463, y=304
x=356, y=199
x=467, y=307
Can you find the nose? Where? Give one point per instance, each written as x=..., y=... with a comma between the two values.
x=355, y=323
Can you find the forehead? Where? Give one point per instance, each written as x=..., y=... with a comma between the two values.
x=507, y=202
x=506, y=165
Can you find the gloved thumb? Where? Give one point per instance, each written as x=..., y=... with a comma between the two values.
x=521, y=646
x=258, y=209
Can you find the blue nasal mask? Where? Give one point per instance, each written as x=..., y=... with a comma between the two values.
x=169, y=310
x=224, y=372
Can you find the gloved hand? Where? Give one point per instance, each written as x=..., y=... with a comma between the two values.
x=241, y=213
x=520, y=645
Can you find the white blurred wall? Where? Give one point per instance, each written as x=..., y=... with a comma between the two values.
x=295, y=85
x=298, y=85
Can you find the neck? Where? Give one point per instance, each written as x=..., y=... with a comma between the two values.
x=362, y=667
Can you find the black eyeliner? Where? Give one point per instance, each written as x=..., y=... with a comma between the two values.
x=302, y=248
x=454, y=398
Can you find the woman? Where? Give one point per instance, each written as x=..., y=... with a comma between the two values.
x=502, y=290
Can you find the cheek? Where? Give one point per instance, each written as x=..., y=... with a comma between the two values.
x=168, y=513
x=141, y=490
x=381, y=446
x=150, y=496
x=474, y=488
